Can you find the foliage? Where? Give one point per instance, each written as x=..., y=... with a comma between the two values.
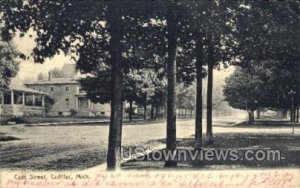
x=242, y=90
x=186, y=96
x=73, y=112
x=265, y=84
x=8, y=64
x=272, y=35
x=135, y=85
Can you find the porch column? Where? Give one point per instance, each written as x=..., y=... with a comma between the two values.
x=89, y=102
x=12, y=97
x=43, y=100
x=23, y=99
x=77, y=102
x=33, y=100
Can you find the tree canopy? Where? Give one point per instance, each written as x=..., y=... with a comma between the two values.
x=8, y=64
x=265, y=84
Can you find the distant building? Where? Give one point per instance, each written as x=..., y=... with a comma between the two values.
x=67, y=96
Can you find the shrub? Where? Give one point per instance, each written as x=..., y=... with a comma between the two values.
x=73, y=113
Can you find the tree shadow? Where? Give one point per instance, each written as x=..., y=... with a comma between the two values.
x=285, y=146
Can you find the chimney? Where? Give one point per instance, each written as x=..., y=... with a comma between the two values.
x=49, y=76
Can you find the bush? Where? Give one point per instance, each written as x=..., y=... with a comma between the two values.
x=17, y=120
x=73, y=113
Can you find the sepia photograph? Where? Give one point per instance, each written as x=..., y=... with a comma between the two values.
x=149, y=93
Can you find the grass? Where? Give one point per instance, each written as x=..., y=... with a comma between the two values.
x=287, y=144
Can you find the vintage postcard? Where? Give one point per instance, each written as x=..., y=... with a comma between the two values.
x=164, y=93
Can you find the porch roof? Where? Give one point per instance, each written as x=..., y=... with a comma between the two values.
x=54, y=81
x=27, y=90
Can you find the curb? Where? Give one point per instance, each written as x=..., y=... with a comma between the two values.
x=66, y=123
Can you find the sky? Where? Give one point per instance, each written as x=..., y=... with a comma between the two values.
x=28, y=70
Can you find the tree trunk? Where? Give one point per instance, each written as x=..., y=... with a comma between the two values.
x=198, y=115
x=211, y=62
x=145, y=108
x=156, y=112
x=130, y=110
x=113, y=154
x=171, y=74
x=152, y=111
x=291, y=115
x=297, y=114
x=258, y=113
x=209, y=105
x=121, y=125
x=250, y=117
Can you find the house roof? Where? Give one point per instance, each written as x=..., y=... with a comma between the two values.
x=27, y=90
x=54, y=81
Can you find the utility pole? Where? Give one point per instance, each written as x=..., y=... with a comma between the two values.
x=292, y=94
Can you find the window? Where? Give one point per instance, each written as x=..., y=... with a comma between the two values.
x=102, y=113
x=51, y=88
x=18, y=98
x=38, y=100
x=28, y=99
x=67, y=102
x=67, y=88
x=7, y=98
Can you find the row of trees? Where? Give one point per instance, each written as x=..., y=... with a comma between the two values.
x=269, y=67
x=264, y=84
x=129, y=47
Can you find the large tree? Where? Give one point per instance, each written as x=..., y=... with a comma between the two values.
x=267, y=47
x=264, y=84
x=64, y=26
x=211, y=33
x=243, y=91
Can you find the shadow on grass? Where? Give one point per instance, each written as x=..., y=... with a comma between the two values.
x=266, y=123
x=287, y=145
x=4, y=138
